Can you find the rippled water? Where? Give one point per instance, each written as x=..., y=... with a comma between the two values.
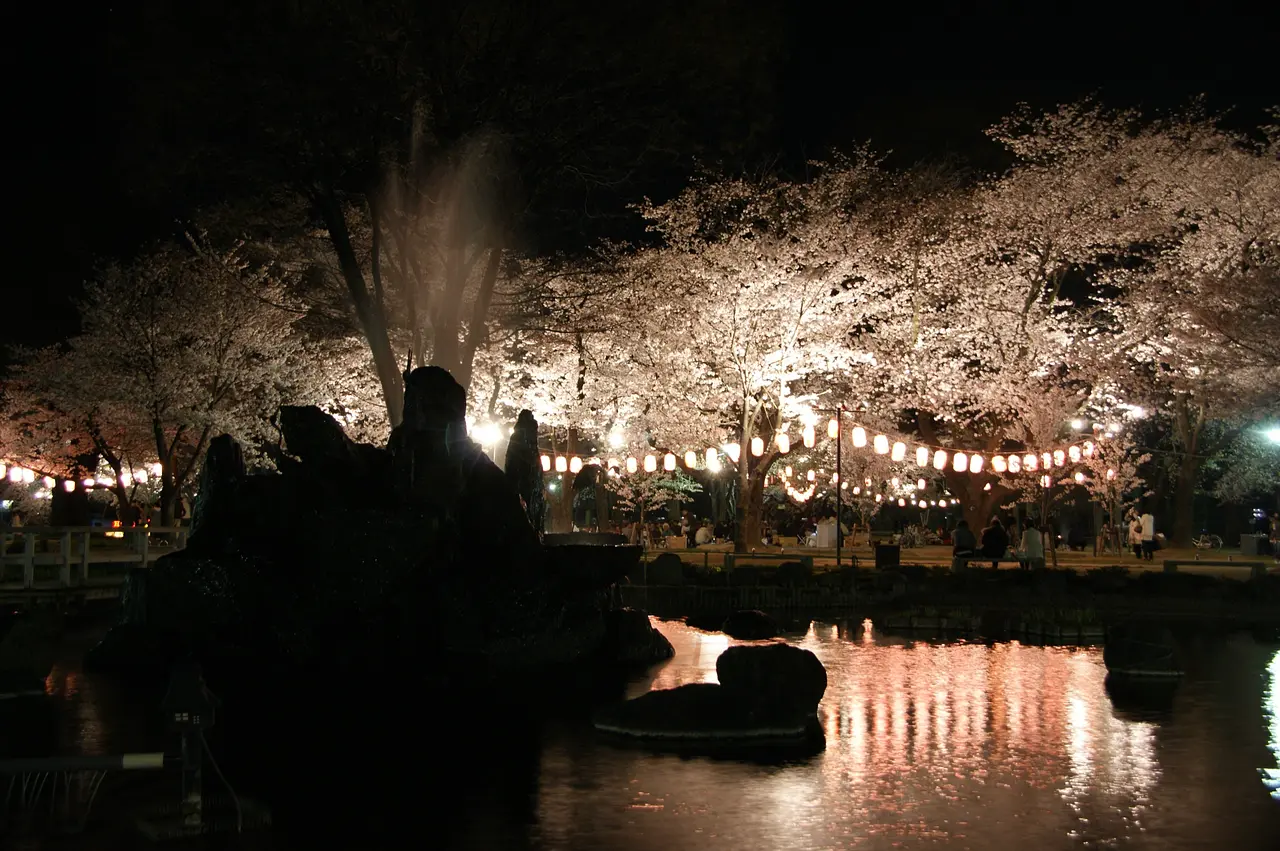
x=929, y=745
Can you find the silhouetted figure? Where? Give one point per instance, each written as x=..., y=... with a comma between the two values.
x=995, y=541
x=524, y=468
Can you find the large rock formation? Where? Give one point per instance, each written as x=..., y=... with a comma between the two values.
x=767, y=696
x=357, y=557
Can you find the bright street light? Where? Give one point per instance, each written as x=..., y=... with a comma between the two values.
x=1273, y=435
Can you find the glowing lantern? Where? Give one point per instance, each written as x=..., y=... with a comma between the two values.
x=68, y=486
x=975, y=463
x=878, y=498
x=940, y=459
x=844, y=486
x=575, y=464
x=833, y=429
x=899, y=451
x=1088, y=449
x=126, y=479
x=1079, y=478
x=546, y=463
x=4, y=471
x=734, y=451
x=922, y=456
x=997, y=464
x=960, y=462
x=691, y=459
x=923, y=504
x=562, y=464
x=28, y=476
x=942, y=503
x=810, y=475
x=859, y=436
x=15, y=474
x=140, y=475
x=650, y=463
x=1111, y=474
x=614, y=464
x=809, y=437
x=88, y=483
x=1047, y=459
x=713, y=461
x=631, y=464
x=48, y=481
x=784, y=444
x=1073, y=452
x=987, y=486
x=757, y=446
x=1059, y=457
x=156, y=469
x=1015, y=464
x=867, y=481
x=901, y=502
x=881, y=444
x=786, y=473
x=856, y=490
x=921, y=484
x=1046, y=482
x=1029, y=463
x=895, y=481
x=669, y=462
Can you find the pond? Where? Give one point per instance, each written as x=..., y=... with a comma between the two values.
x=929, y=744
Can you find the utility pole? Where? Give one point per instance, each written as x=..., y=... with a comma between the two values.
x=839, y=482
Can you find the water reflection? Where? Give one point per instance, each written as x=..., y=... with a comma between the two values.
x=1271, y=709
x=956, y=744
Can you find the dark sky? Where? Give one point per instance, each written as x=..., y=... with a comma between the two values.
x=921, y=83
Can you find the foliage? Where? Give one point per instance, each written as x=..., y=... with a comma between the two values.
x=640, y=494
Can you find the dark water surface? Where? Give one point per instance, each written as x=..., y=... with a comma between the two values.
x=929, y=745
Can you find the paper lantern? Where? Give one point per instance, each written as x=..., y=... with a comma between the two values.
x=48, y=481
x=901, y=502
x=757, y=446
x=28, y=476
x=734, y=451
x=105, y=482
x=881, y=444
x=845, y=486
x=669, y=461
x=562, y=464
x=68, y=486
x=960, y=462
x=1015, y=464
x=1029, y=463
x=856, y=490
x=650, y=463
x=575, y=464
x=923, y=504
x=922, y=456
x=88, y=483
x=713, y=461
x=997, y=464
x=942, y=503
x=899, y=451
x=632, y=466
x=1087, y=451
x=1047, y=460
x=895, y=481
x=859, y=437
x=976, y=463
x=15, y=475
x=4, y=470
x=921, y=484
x=614, y=464
x=139, y=475
x=546, y=463
x=810, y=475
x=833, y=429
x=126, y=479
x=1046, y=482
x=940, y=459
x=987, y=486
x=617, y=440
x=1059, y=457
x=809, y=437
x=1111, y=474
x=878, y=498
x=835, y=477
x=156, y=469
x=784, y=443
x=1073, y=452
x=1079, y=478
x=691, y=459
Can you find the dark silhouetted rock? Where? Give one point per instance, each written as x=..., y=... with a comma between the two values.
x=524, y=468
x=666, y=569
x=1139, y=649
x=794, y=574
x=745, y=709
x=749, y=625
x=213, y=514
x=633, y=640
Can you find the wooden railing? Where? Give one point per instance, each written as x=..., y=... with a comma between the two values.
x=74, y=550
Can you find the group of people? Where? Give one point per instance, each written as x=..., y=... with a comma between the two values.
x=993, y=543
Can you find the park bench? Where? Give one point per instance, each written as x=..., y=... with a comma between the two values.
x=982, y=561
x=1257, y=569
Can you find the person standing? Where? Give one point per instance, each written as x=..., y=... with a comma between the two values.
x=1135, y=534
x=1148, y=522
x=1032, y=546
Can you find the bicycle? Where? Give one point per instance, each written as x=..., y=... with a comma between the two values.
x=1207, y=542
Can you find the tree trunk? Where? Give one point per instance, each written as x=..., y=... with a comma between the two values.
x=602, y=500
x=562, y=506
x=1184, y=500
x=372, y=319
x=750, y=506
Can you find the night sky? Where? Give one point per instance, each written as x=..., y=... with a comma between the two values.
x=919, y=83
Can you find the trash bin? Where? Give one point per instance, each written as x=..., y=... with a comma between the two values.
x=1252, y=545
x=888, y=556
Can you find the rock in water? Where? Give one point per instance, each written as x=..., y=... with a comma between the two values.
x=749, y=625
x=633, y=641
x=524, y=468
x=768, y=696
x=1139, y=649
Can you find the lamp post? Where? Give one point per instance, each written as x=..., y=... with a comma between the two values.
x=839, y=483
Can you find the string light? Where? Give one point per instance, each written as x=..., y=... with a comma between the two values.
x=881, y=445
x=669, y=462
x=899, y=451
x=859, y=437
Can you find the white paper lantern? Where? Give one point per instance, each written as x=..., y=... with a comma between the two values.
x=48, y=481
x=921, y=484
x=922, y=456
x=899, y=451
x=923, y=504
x=650, y=463
x=940, y=459
x=1047, y=460
x=997, y=464
x=1079, y=478
x=809, y=437
x=1111, y=474
x=1073, y=452
x=28, y=477
x=68, y=486
x=878, y=498
x=691, y=459
x=833, y=429
x=856, y=490
x=810, y=475
x=546, y=463
x=88, y=483
x=1059, y=457
x=575, y=464
x=784, y=443
x=976, y=463
x=1015, y=464
x=734, y=451
x=960, y=462
x=1087, y=451
x=632, y=466
x=757, y=446
x=669, y=461
x=562, y=464
x=1029, y=463
x=1046, y=482
x=902, y=503
x=859, y=437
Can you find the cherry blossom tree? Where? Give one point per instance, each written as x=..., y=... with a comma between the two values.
x=640, y=494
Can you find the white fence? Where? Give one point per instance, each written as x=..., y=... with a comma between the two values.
x=75, y=550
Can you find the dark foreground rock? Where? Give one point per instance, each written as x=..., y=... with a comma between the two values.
x=354, y=557
x=1139, y=649
x=27, y=643
x=767, y=696
x=749, y=625
x=632, y=640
